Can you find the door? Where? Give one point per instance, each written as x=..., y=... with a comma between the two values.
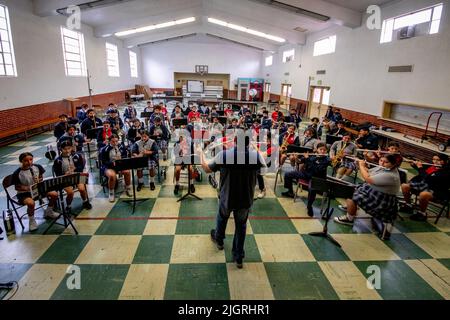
x=319, y=101
x=286, y=91
x=267, y=87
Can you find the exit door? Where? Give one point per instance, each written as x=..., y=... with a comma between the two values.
x=319, y=101
x=286, y=92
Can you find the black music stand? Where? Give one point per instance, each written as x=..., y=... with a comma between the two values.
x=189, y=161
x=223, y=120
x=92, y=134
x=332, y=139
x=58, y=184
x=296, y=149
x=146, y=114
x=131, y=163
x=179, y=122
x=332, y=189
x=221, y=113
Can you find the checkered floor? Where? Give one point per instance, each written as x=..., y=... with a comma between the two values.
x=163, y=251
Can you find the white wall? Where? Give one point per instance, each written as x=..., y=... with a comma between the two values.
x=161, y=60
x=357, y=71
x=40, y=65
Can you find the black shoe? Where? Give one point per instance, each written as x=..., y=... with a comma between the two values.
x=310, y=212
x=152, y=186
x=176, y=190
x=87, y=205
x=192, y=188
x=418, y=217
x=239, y=263
x=139, y=187
x=219, y=244
x=288, y=194
x=212, y=181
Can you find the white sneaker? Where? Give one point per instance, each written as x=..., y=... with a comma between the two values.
x=128, y=192
x=261, y=194
x=49, y=213
x=32, y=226
x=111, y=197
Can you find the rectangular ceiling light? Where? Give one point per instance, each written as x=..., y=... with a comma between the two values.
x=155, y=26
x=246, y=30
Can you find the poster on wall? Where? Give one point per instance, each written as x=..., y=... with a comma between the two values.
x=194, y=86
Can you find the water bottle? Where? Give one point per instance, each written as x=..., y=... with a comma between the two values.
x=8, y=221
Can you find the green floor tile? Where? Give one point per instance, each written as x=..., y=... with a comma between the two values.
x=203, y=226
x=65, y=249
x=399, y=281
x=128, y=226
x=6, y=151
x=323, y=249
x=154, y=249
x=125, y=210
x=408, y=226
x=273, y=226
x=98, y=282
x=299, y=281
x=206, y=281
x=250, y=248
x=445, y=262
x=405, y=248
x=268, y=207
x=199, y=208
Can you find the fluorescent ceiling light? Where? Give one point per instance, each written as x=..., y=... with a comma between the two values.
x=154, y=26
x=246, y=30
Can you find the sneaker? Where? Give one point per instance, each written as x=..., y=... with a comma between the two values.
x=288, y=194
x=261, y=194
x=50, y=214
x=152, y=186
x=176, y=190
x=213, y=238
x=32, y=226
x=111, y=197
x=87, y=205
x=343, y=220
x=139, y=187
x=192, y=188
x=342, y=208
x=310, y=212
x=418, y=217
x=212, y=181
x=128, y=192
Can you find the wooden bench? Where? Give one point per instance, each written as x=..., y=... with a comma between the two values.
x=25, y=130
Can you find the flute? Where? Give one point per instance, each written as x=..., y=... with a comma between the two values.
x=366, y=162
x=423, y=163
x=306, y=153
x=379, y=151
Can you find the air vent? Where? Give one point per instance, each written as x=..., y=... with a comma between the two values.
x=406, y=33
x=286, y=73
x=401, y=68
x=321, y=72
x=300, y=29
x=92, y=5
x=294, y=9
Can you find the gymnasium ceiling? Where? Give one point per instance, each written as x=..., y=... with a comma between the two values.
x=279, y=18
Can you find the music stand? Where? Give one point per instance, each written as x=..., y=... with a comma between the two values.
x=333, y=189
x=131, y=163
x=58, y=184
x=146, y=114
x=179, y=122
x=221, y=113
x=296, y=149
x=92, y=134
x=189, y=161
x=223, y=120
x=332, y=139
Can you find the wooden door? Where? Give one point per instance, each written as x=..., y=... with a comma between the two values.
x=319, y=101
x=285, y=97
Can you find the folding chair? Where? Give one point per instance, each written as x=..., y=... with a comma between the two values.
x=11, y=199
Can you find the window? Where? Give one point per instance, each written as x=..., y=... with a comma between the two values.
x=74, y=53
x=7, y=59
x=269, y=61
x=112, y=60
x=432, y=16
x=288, y=55
x=325, y=46
x=133, y=64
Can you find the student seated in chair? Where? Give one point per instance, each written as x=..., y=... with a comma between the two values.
x=135, y=132
x=338, y=152
x=366, y=140
x=61, y=126
x=67, y=163
x=431, y=183
x=24, y=177
x=183, y=148
x=146, y=147
x=378, y=195
x=114, y=120
x=162, y=134
x=90, y=122
x=148, y=109
x=105, y=134
x=82, y=113
x=339, y=131
x=75, y=138
x=129, y=114
x=108, y=155
x=314, y=166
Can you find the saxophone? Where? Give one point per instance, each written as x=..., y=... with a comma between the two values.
x=339, y=156
x=285, y=143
